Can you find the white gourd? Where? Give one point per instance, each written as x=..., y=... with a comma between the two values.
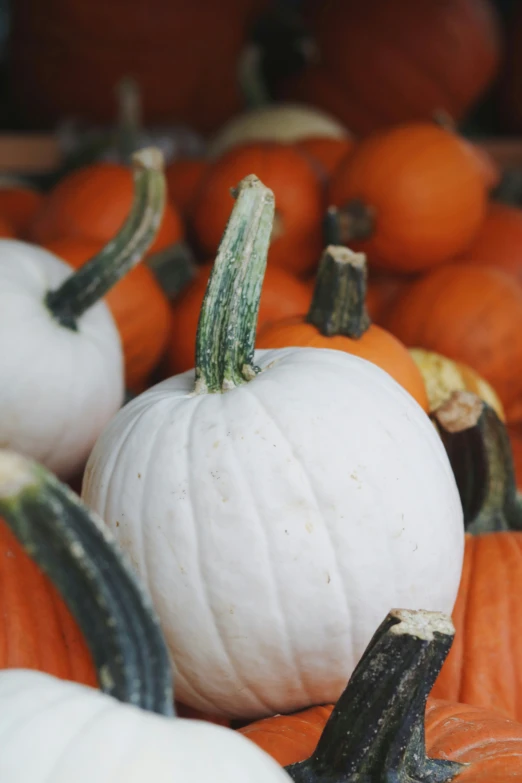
x=61, y=365
x=285, y=123
x=60, y=732
x=275, y=514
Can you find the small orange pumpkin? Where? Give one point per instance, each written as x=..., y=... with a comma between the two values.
x=338, y=319
x=184, y=177
x=411, y=197
x=139, y=306
x=37, y=630
x=296, y=237
x=282, y=295
x=92, y=203
x=472, y=315
x=6, y=229
x=384, y=289
x=499, y=241
x=19, y=204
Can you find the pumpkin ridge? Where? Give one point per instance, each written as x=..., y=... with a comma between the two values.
x=219, y=635
x=313, y=492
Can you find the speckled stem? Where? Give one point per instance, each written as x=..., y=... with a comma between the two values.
x=95, y=279
x=480, y=453
x=228, y=318
x=376, y=732
x=339, y=300
x=348, y=223
x=75, y=549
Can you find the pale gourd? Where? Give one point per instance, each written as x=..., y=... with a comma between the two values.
x=275, y=505
x=287, y=122
x=61, y=363
x=60, y=732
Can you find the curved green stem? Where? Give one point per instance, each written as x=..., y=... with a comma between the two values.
x=339, y=300
x=95, y=279
x=79, y=555
x=227, y=322
x=376, y=732
x=479, y=451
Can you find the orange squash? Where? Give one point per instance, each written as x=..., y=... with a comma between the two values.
x=282, y=295
x=92, y=203
x=499, y=241
x=296, y=237
x=384, y=728
x=472, y=315
x=184, y=178
x=139, y=306
x=383, y=291
x=37, y=630
x=325, y=153
x=411, y=197
x=383, y=63
x=6, y=229
x=338, y=319
x=19, y=204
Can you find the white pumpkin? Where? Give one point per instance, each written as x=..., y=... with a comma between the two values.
x=286, y=122
x=60, y=384
x=60, y=732
x=277, y=508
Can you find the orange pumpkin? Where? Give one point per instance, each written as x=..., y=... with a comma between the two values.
x=382, y=63
x=484, y=666
x=67, y=56
x=139, y=306
x=92, y=203
x=338, y=319
x=6, y=229
x=37, y=630
x=384, y=727
x=325, y=153
x=19, y=204
x=184, y=177
x=472, y=315
x=282, y=295
x=499, y=241
x=488, y=742
x=411, y=197
x=296, y=237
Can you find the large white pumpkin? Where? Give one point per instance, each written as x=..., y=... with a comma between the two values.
x=277, y=523
x=57, y=732
x=62, y=380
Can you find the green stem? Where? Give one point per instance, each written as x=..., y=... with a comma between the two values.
x=228, y=318
x=339, y=300
x=95, y=279
x=174, y=268
x=78, y=553
x=479, y=451
x=352, y=222
x=376, y=732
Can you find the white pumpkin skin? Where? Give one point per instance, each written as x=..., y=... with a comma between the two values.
x=276, y=524
x=59, y=732
x=58, y=387
x=286, y=123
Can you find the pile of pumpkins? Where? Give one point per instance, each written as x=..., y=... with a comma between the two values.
x=299, y=539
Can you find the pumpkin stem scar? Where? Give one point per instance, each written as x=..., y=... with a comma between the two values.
x=375, y=733
x=227, y=322
x=79, y=555
x=94, y=280
x=478, y=447
x=339, y=300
